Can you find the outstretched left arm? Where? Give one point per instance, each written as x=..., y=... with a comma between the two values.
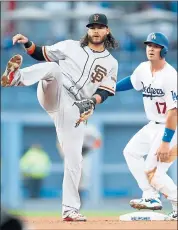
x=124, y=84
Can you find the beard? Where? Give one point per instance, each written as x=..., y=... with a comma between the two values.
x=99, y=42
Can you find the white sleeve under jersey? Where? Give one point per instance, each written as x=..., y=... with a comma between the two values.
x=109, y=83
x=55, y=52
x=171, y=90
x=136, y=77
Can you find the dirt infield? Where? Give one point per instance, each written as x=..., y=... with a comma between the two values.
x=52, y=223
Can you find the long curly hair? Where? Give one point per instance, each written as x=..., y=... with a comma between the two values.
x=109, y=43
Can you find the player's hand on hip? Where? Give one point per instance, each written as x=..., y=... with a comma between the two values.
x=19, y=38
x=163, y=152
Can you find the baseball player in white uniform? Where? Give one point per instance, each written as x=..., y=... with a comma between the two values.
x=77, y=75
x=157, y=80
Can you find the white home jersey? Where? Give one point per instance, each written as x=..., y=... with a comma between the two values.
x=159, y=91
x=84, y=70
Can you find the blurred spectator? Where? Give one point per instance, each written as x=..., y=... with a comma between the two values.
x=141, y=6
x=92, y=141
x=35, y=166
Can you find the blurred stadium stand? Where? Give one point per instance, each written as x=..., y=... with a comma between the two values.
x=23, y=120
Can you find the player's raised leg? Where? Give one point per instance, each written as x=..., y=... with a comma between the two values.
x=14, y=76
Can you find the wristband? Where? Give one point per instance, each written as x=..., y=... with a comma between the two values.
x=30, y=47
x=28, y=44
x=168, y=135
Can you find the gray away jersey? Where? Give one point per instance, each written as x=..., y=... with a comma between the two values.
x=84, y=71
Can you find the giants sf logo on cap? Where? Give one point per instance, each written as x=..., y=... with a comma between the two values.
x=96, y=17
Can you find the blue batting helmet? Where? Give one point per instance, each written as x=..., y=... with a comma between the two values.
x=158, y=39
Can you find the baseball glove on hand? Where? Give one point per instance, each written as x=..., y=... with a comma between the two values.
x=86, y=107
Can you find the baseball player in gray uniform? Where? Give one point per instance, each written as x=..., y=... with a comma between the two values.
x=77, y=75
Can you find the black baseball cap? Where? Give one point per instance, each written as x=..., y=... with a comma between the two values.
x=100, y=19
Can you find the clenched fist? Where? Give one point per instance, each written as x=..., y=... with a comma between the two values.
x=19, y=38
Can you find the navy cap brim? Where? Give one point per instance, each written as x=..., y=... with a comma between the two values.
x=96, y=23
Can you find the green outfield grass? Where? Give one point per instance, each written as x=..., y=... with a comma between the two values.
x=58, y=214
x=87, y=213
